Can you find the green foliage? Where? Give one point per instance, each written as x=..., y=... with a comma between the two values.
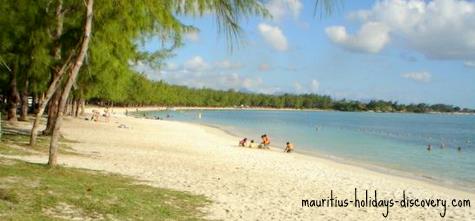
x=24, y=42
x=143, y=91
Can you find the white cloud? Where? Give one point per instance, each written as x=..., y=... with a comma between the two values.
x=273, y=36
x=310, y=88
x=193, y=36
x=196, y=63
x=314, y=86
x=372, y=37
x=418, y=76
x=198, y=73
x=298, y=87
x=170, y=66
x=228, y=65
x=281, y=8
x=439, y=29
x=469, y=64
x=215, y=80
x=295, y=7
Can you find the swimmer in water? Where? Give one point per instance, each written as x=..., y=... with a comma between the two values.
x=459, y=148
x=429, y=147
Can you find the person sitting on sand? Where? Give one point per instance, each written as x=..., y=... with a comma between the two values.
x=265, y=142
x=252, y=144
x=243, y=142
x=289, y=147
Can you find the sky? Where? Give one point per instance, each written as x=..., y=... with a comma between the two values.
x=409, y=51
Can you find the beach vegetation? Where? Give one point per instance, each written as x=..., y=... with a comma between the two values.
x=146, y=92
x=31, y=191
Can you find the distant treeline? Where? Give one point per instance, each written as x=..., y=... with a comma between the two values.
x=145, y=92
x=134, y=90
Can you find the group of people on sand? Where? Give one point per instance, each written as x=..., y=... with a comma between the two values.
x=97, y=114
x=265, y=144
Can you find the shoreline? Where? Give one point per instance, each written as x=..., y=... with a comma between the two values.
x=354, y=163
x=374, y=167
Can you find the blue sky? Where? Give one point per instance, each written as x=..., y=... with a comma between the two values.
x=402, y=50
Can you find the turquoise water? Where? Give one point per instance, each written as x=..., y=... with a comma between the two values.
x=393, y=141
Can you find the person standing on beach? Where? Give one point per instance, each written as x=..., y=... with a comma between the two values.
x=106, y=114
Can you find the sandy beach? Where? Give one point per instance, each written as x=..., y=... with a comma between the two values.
x=243, y=183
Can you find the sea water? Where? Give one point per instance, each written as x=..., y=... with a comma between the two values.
x=391, y=142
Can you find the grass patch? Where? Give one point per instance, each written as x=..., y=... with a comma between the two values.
x=35, y=192
x=16, y=142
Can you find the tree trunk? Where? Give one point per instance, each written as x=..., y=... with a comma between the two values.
x=53, y=150
x=82, y=104
x=57, y=72
x=24, y=101
x=34, y=104
x=69, y=109
x=52, y=112
x=13, y=97
x=76, y=107
x=72, y=106
x=42, y=106
x=66, y=107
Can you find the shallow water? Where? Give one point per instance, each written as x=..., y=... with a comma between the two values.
x=396, y=141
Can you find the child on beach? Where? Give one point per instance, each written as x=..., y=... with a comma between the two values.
x=243, y=142
x=265, y=142
x=252, y=144
x=289, y=147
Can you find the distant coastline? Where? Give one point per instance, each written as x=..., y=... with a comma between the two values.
x=163, y=108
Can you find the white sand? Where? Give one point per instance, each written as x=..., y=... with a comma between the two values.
x=243, y=183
